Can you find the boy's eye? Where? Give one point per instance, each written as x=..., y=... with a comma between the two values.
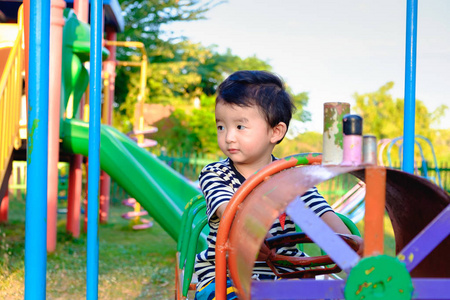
x=240, y=127
x=219, y=128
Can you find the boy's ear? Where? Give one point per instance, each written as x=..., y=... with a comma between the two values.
x=278, y=132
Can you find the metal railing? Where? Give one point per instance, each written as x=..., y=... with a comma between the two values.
x=11, y=84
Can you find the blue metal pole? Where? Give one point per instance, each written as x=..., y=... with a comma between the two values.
x=94, y=147
x=37, y=151
x=410, y=87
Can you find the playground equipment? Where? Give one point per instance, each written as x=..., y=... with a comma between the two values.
x=424, y=170
x=352, y=203
x=410, y=218
x=415, y=241
x=186, y=247
x=156, y=186
x=139, y=134
x=136, y=214
x=11, y=66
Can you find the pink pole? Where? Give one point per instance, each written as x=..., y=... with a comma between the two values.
x=109, y=67
x=56, y=27
x=105, y=186
x=74, y=196
x=85, y=199
x=81, y=8
x=4, y=207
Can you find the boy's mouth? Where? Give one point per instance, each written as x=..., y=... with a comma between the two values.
x=233, y=151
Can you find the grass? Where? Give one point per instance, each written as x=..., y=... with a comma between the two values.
x=132, y=264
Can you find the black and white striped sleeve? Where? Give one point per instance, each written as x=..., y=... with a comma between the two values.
x=315, y=201
x=216, y=188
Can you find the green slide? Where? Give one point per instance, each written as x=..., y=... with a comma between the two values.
x=160, y=190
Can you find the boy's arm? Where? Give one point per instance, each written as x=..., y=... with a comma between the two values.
x=318, y=204
x=335, y=222
x=221, y=209
x=338, y=226
x=217, y=191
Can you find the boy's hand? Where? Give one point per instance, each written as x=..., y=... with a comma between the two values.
x=360, y=242
x=265, y=252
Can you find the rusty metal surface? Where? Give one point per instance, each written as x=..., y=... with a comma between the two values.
x=412, y=202
x=261, y=207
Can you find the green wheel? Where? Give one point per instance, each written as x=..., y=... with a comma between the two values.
x=379, y=277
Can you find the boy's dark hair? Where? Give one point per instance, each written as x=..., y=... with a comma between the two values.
x=260, y=88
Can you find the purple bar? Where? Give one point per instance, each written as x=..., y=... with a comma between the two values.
x=424, y=288
x=431, y=288
x=322, y=235
x=430, y=237
x=298, y=289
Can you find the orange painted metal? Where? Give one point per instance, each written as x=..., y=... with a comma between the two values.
x=411, y=201
x=232, y=207
x=262, y=206
x=375, y=209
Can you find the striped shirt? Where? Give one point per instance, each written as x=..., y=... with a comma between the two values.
x=219, y=181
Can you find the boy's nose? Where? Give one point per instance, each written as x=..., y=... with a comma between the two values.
x=229, y=137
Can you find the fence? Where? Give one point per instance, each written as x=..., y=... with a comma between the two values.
x=439, y=175
x=332, y=190
x=190, y=167
x=186, y=164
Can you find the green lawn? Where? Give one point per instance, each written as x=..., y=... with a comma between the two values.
x=132, y=265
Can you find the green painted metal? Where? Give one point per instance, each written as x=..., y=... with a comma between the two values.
x=190, y=256
x=184, y=218
x=349, y=223
x=379, y=277
x=160, y=190
x=75, y=51
x=198, y=209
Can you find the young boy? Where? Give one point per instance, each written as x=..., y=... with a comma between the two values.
x=253, y=111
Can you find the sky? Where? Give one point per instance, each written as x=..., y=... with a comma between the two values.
x=334, y=49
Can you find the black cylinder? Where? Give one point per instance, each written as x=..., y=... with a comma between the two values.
x=352, y=124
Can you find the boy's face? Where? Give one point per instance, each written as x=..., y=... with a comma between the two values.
x=244, y=135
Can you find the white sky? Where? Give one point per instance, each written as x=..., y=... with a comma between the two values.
x=332, y=49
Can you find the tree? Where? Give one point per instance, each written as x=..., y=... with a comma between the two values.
x=143, y=20
x=383, y=116
x=178, y=72
x=303, y=143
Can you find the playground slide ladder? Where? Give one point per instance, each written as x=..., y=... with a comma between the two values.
x=10, y=100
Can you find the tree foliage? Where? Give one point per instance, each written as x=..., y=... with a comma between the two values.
x=383, y=116
x=178, y=72
x=303, y=143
